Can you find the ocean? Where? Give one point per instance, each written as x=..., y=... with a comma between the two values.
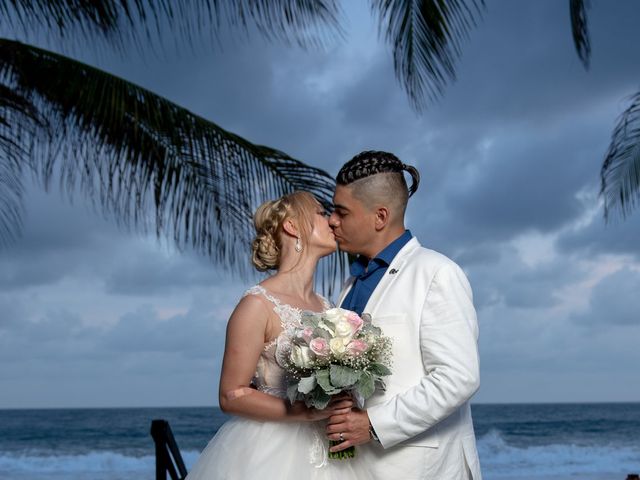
x=537, y=441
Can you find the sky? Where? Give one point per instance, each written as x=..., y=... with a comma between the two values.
x=95, y=316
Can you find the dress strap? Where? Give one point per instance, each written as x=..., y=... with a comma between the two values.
x=260, y=290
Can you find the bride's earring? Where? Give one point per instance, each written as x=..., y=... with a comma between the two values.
x=298, y=246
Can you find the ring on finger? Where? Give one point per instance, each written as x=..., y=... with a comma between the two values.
x=341, y=437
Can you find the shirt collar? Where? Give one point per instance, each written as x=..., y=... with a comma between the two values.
x=390, y=251
x=362, y=266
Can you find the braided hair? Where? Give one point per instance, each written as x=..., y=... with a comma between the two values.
x=372, y=162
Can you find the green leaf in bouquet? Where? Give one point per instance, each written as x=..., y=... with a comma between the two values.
x=319, y=398
x=310, y=319
x=306, y=384
x=365, y=385
x=319, y=332
x=342, y=376
x=292, y=392
x=379, y=369
x=322, y=377
x=325, y=326
x=377, y=331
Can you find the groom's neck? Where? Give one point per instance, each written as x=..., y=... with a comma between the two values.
x=383, y=239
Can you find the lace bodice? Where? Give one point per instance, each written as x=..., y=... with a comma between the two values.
x=270, y=377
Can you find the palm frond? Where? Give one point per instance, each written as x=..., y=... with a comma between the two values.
x=18, y=122
x=66, y=17
x=426, y=38
x=579, y=29
x=620, y=173
x=304, y=22
x=133, y=152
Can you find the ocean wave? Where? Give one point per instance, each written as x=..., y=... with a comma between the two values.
x=104, y=461
x=499, y=459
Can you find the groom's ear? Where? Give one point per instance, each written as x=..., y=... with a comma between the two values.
x=382, y=218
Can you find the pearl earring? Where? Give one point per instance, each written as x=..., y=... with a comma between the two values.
x=298, y=246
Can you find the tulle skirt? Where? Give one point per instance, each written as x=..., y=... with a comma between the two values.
x=248, y=449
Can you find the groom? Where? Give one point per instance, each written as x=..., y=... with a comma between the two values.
x=420, y=426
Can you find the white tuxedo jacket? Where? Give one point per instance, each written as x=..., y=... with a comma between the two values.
x=424, y=303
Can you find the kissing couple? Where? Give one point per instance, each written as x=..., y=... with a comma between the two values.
x=419, y=426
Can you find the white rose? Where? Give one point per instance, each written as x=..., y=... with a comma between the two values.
x=337, y=346
x=302, y=356
x=343, y=329
x=333, y=315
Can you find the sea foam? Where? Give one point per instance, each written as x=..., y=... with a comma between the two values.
x=499, y=459
x=104, y=461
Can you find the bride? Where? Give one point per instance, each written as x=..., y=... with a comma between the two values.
x=269, y=438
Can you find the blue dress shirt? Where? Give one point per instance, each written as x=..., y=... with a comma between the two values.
x=368, y=273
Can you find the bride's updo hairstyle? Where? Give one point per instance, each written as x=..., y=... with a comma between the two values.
x=269, y=219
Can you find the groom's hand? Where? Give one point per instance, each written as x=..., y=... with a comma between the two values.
x=354, y=427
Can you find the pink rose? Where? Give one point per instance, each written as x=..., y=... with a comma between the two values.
x=306, y=334
x=319, y=346
x=355, y=321
x=357, y=347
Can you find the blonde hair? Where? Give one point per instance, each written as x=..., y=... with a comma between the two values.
x=268, y=221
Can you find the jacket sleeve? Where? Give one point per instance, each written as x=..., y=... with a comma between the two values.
x=449, y=350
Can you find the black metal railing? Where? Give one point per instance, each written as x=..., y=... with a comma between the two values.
x=168, y=458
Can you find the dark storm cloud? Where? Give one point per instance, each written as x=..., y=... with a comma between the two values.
x=269, y=94
x=149, y=273
x=513, y=191
x=598, y=237
x=524, y=129
x=507, y=154
x=61, y=241
x=58, y=240
x=512, y=283
x=198, y=333
x=520, y=64
x=55, y=335
x=614, y=301
x=60, y=334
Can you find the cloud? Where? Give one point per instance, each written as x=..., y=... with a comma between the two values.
x=147, y=357
x=196, y=333
x=509, y=159
x=596, y=237
x=614, y=301
x=150, y=272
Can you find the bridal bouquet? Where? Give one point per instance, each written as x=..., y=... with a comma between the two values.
x=330, y=353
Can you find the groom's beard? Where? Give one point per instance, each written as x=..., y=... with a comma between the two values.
x=352, y=254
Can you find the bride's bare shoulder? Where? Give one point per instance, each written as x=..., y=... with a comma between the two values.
x=251, y=308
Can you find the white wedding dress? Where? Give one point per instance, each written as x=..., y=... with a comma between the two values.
x=250, y=449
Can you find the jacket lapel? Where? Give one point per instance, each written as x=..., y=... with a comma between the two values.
x=394, y=272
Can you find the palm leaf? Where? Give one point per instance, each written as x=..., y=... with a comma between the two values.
x=304, y=22
x=133, y=152
x=579, y=30
x=18, y=121
x=426, y=37
x=620, y=173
